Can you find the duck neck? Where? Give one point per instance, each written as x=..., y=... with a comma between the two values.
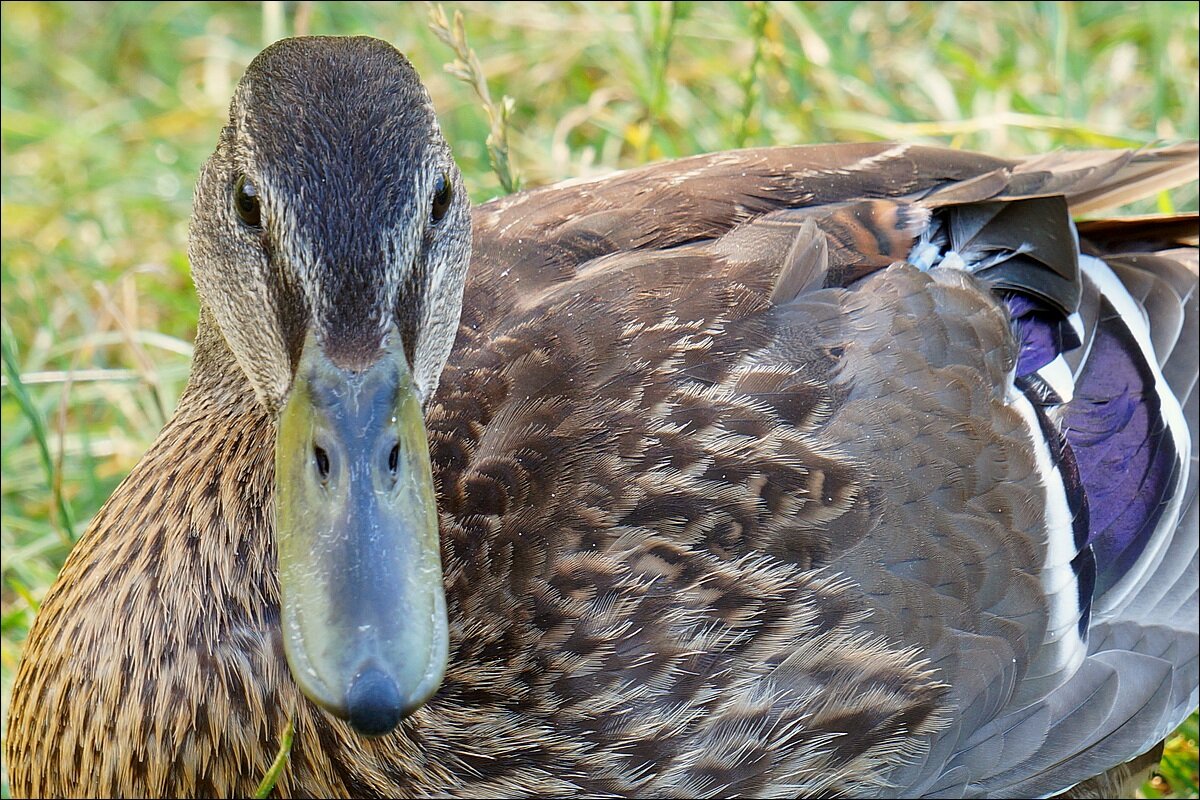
x=217, y=382
x=177, y=575
x=220, y=444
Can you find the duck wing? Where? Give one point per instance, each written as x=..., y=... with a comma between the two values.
x=826, y=470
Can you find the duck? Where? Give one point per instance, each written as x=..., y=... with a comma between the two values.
x=857, y=469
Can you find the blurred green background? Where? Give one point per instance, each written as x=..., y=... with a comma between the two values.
x=110, y=108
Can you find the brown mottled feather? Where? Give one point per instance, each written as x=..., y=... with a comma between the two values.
x=672, y=486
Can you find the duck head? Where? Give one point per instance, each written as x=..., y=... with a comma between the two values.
x=329, y=244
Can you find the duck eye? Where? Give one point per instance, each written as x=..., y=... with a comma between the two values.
x=245, y=200
x=441, y=196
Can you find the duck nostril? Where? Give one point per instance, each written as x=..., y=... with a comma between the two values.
x=394, y=458
x=321, y=460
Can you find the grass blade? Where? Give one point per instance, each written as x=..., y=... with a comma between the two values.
x=65, y=524
x=276, y=768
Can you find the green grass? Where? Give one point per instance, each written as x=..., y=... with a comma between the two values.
x=109, y=110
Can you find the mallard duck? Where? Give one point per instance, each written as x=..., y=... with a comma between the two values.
x=804, y=471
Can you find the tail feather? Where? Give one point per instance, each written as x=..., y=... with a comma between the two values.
x=1099, y=180
x=1151, y=233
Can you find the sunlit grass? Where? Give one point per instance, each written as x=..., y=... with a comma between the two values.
x=109, y=110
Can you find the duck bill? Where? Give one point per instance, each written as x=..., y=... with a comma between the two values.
x=362, y=604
